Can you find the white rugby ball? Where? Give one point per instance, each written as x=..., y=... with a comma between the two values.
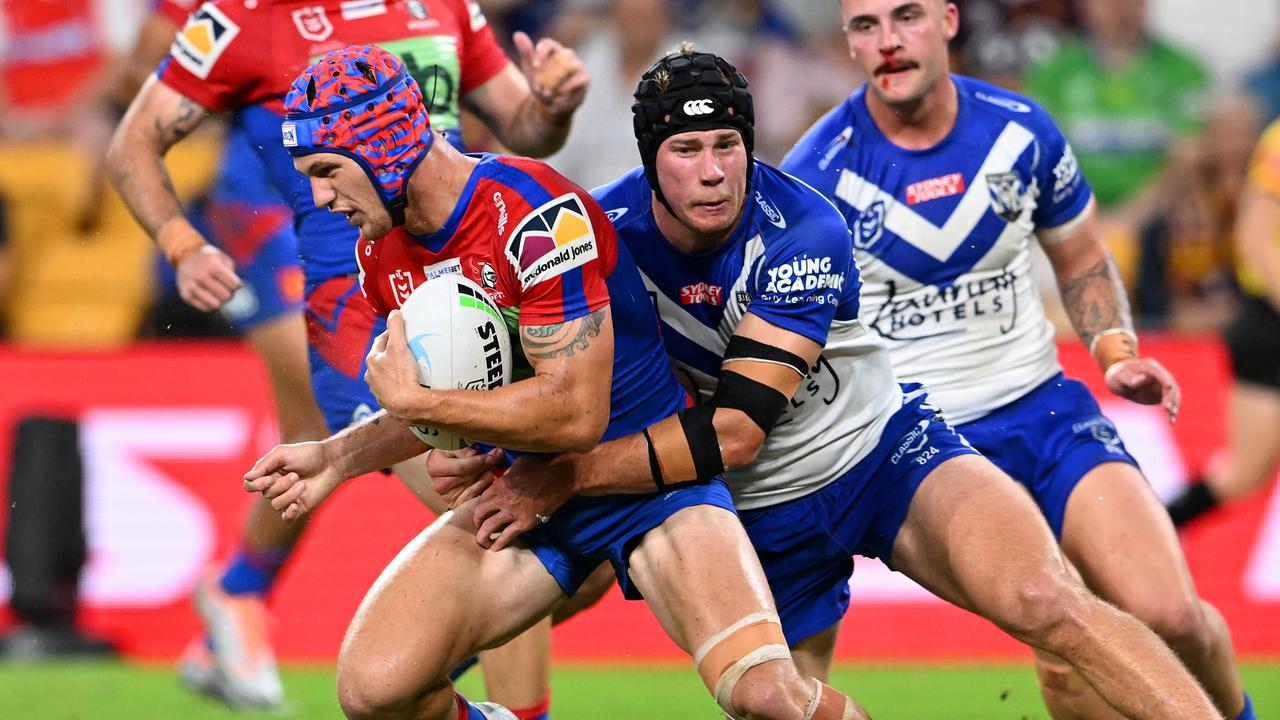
x=458, y=336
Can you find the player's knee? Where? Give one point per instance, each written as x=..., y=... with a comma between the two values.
x=742, y=666
x=1178, y=620
x=372, y=691
x=1044, y=607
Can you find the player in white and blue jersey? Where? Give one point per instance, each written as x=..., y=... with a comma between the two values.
x=945, y=183
x=755, y=284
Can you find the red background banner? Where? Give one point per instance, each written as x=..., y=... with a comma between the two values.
x=167, y=430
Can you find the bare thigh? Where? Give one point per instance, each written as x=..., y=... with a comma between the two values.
x=699, y=574
x=442, y=599
x=1118, y=534
x=970, y=529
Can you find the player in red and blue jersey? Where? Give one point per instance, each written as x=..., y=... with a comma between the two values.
x=240, y=56
x=546, y=254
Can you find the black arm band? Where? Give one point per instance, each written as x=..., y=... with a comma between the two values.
x=704, y=444
x=744, y=348
x=654, y=468
x=763, y=404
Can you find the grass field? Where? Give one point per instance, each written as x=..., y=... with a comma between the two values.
x=113, y=691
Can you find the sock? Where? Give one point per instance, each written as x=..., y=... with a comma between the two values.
x=1191, y=504
x=253, y=571
x=1247, y=712
x=541, y=711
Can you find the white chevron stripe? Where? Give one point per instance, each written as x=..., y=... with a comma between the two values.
x=939, y=243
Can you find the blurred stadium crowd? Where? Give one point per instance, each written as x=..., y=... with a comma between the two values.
x=1165, y=144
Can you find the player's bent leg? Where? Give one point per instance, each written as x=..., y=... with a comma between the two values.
x=1118, y=535
x=441, y=600
x=704, y=584
x=813, y=654
x=975, y=538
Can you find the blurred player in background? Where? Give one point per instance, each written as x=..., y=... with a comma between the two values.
x=250, y=272
x=240, y=56
x=945, y=182
x=755, y=283
x=547, y=257
x=1253, y=343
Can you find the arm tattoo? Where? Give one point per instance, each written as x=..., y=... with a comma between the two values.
x=1095, y=300
x=545, y=342
x=183, y=120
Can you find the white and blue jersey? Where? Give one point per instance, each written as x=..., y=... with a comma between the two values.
x=943, y=237
x=789, y=263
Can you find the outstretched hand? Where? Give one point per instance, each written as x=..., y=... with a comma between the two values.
x=521, y=499
x=1145, y=381
x=557, y=78
x=295, y=478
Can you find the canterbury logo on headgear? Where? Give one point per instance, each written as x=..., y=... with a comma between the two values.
x=699, y=107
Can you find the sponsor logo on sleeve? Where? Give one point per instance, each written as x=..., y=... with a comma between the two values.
x=361, y=9
x=803, y=276
x=1065, y=174
x=203, y=39
x=401, y=286
x=312, y=23
x=501, y=205
x=616, y=213
x=935, y=188
x=477, y=15
x=771, y=212
x=552, y=240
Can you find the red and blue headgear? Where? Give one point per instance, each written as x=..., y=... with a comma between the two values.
x=361, y=102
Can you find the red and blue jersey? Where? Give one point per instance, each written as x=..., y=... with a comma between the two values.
x=546, y=254
x=242, y=55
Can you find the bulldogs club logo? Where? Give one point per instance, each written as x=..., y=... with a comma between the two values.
x=1006, y=194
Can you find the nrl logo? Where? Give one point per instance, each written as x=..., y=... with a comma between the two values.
x=312, y=23
x=401, y=286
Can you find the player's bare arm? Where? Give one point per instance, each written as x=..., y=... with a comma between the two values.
x=530, y=108
x=158, y=118
x=298, y=476
x=564, y=407
x=760, y=373
x=1095, y=300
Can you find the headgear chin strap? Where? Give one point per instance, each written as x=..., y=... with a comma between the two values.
x=687, y=91
x=361, y=102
